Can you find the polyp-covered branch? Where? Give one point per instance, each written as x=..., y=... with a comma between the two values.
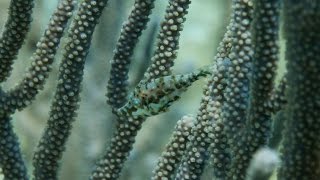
x=196, y=155
x=220, y=155
x=256, y=131
x=130, y=33
x=237, y=92
x=110, y=164
x=277, y=99
x=66, y=99
x=301, y=145
x=168, y=40
x=172, y=155
x=22, y=95
x=12, y=38
x=11, y=161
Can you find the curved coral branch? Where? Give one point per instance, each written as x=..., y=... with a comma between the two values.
x=220, y=155
x=168, y=40
x=22, y=95
x=11, y=161
x=130, y=33
x=63, y=109
x=196, y=154
x=174, y=150
x=111, y=163
x=12, y=38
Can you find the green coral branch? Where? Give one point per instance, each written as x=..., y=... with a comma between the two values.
x=24, y=93
x=174, y=150
x=196, y=155
x=301, y=146
x=218, y=148
x=131, y=31
x=15, y=31
x=277, y=100
x=168, y=40
x=11, y=161
x=63, y=109
x=257, y=128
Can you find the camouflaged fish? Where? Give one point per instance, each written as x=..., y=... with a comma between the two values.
x=151, y=98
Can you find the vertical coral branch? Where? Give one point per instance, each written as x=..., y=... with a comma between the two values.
x=63, y=109
x=256, y=130
x=173, y=153
x=168, y=40
x=21, y=96
x=12, y=38
x=234, y=109
x=219, y=147
x=301, y=146
x=195, y=156
x=277, y=99
x=130, y=33
x=11, y=161
x=237, y=92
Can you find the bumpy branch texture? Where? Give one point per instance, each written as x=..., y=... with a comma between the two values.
x=236, y=111
x=301, y=146
x=131, y=31
x=66, y=99
x=110, y=165
x=168, y=40
x=22, y=95
x=237, y=92
x=131, y=118
x=12, y=38
x=196, y=155
x=11, y=161
x=277, y=100
x=256, y=131
x=220, y=155
x=173, y=153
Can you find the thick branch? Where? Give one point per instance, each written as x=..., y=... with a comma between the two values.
x=12, y=38
x=67, y=96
